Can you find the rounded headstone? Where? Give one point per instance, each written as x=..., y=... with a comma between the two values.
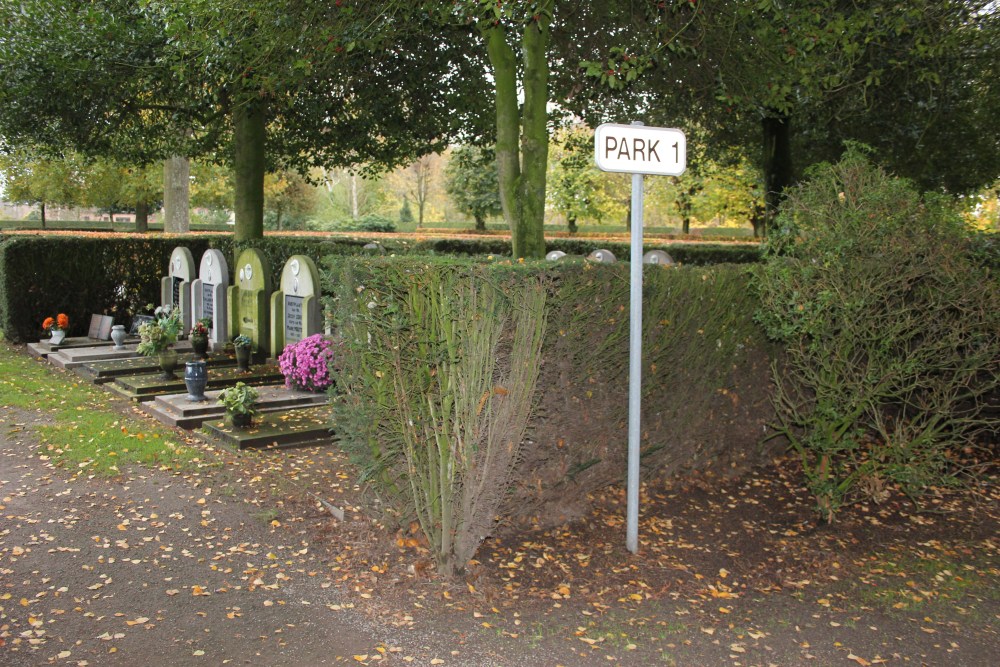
x=555, y=255
x=214, y=270
x=181, y=264
x=657, y=257
x=603, y=256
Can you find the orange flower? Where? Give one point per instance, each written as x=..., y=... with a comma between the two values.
x=47, y=324
x=62, y=320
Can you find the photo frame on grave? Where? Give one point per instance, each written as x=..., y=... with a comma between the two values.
x=138, y=321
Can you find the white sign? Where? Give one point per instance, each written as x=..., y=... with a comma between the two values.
x=637, y=149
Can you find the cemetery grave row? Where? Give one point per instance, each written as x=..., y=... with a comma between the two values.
x=269, y=319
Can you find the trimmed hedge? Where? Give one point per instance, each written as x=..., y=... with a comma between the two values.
x=706, y=383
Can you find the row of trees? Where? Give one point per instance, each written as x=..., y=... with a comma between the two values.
x=460, y=183
x=273, y=86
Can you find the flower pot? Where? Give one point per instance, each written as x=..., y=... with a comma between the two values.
x=168, y=362
x=240, y=420
x=243, y=358
x=195, y=379
x=58, y=335
x=199, y=344
x=118, y=335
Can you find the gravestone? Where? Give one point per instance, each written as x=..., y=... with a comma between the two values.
x=657, y=257
x=209, y=296
x=100, y=327
x=295, y=312
x=175, y=287
x=602, y=256
x=247, y=299
x=138, y=321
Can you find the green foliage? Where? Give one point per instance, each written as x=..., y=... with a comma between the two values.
x=706, y=369
x=240, y=399
x=574, y=181
x=438, y=388
x=405, y=212
x=369, y=223
x=892, y=333
x=473, y=183
x=161, y=333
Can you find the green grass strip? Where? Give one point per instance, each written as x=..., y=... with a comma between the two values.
x=78, y=429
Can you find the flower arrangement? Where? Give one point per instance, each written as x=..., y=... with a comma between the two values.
x=201, y=328
x=243, y=341
x=158, y=335
x=306, y=364
x=58, y=323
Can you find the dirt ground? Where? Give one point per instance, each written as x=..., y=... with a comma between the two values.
x=238, y=562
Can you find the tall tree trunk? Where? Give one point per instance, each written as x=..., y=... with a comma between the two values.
x=480, y=222
x=249, y=137
x=522, y=160
x=176, y=195
x=571, y=224
x=354, y=196
x=141, y=216
x=41, y=206
x=777, y=163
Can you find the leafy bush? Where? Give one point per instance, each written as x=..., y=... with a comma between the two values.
x=892, y=334
x=369, y=223
x=306, y=364
x=438, y=389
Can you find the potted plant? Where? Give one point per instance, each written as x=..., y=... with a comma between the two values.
x=156, y=337
x=56, y=326
x=240, y=402
x=199, y=337
x=243, y=347
x=306, y=364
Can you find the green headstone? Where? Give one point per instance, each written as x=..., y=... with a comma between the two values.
x=295, y=312
x=248, y=297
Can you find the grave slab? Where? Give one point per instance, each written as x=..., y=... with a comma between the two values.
x=73, y=357
x=44, y=348
x=100, y=371
x=148, y=387
x=176, y=410
x=292, y=428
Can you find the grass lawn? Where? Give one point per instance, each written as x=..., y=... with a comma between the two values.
x=77, y=426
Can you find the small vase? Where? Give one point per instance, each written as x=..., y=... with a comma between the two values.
x=200, y=346
x=196, y=379
x=243, y=359
x=241, y=420
x=168, y=362
x=118, y=335
x=58, y=335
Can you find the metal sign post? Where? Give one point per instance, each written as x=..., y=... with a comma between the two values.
x=637, y=150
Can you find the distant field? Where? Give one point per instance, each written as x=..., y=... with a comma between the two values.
x=430, y=227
